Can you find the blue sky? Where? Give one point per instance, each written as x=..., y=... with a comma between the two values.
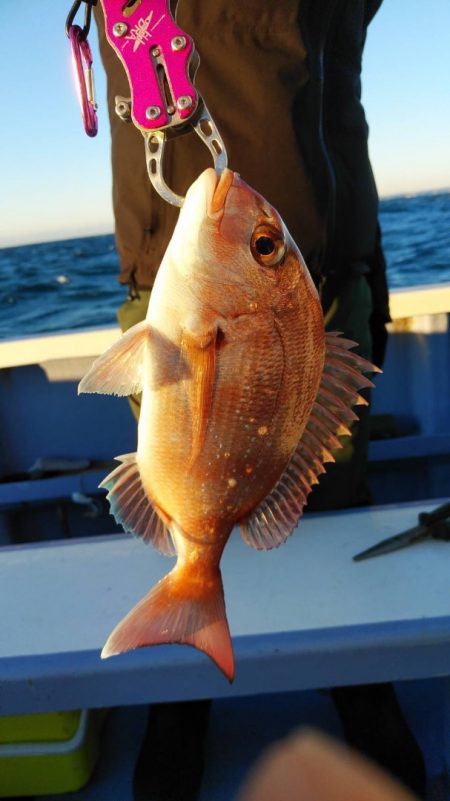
x=56, y=181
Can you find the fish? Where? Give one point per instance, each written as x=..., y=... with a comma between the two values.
x=244, y=399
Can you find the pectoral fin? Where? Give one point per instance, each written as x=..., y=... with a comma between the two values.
x=119, y=371
x=199, y=352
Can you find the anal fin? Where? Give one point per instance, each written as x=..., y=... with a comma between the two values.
x=131, y=507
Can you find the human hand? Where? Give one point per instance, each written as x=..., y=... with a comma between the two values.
x=309, y=766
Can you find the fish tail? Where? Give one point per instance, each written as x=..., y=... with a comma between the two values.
x=181, y=608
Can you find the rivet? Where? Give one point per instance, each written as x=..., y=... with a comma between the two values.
x=152, y=112
x=178, y=43
x=184, y=102
x=120, y=29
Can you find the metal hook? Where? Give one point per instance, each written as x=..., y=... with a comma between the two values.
x=155, y=142
x=82, y=59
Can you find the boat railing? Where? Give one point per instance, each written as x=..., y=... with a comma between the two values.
x=405, y=304
x=41, y=415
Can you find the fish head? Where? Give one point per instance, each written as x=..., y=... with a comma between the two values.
x=231, y=251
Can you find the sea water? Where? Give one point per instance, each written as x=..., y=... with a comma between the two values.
x=72, y=284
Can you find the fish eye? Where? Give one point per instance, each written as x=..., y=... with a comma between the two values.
x=267, y=246
x=264, y=245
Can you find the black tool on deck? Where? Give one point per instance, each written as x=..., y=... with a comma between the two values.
x=432, y=525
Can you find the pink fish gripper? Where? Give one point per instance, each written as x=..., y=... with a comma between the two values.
x=160, y=61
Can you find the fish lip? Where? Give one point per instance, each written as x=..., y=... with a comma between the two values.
x=216, y=205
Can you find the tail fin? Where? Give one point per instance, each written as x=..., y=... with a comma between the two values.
x=179, y=610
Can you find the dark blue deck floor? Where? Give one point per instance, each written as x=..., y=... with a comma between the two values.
x=241, y=729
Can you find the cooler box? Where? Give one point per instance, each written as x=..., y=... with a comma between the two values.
x=48, y=753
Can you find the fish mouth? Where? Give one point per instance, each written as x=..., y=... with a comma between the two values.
x=218, y=199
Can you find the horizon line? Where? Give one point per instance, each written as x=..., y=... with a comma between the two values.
x=103, y=230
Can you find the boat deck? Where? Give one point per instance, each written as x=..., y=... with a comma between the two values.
x=303, y=617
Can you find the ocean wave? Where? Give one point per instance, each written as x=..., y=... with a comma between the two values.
x=72, y=284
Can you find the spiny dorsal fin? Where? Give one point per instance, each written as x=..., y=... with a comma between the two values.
x=131, y=507
x=119, y=371
x=275, y=518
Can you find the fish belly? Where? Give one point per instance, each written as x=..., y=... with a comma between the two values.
x=264, y=385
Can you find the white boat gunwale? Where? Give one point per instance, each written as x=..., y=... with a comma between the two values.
x=91, y=342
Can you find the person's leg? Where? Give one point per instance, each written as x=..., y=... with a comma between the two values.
x=170, y=763
x=371, y=717
x=132, y=311
x=373, y=723
x=345, y=483
x=171, y=757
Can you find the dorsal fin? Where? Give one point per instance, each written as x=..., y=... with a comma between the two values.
x=131, y=507
x=272, y=522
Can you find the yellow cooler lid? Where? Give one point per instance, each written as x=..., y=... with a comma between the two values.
x=40, y=727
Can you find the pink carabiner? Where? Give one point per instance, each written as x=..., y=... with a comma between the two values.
x=82, y=60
